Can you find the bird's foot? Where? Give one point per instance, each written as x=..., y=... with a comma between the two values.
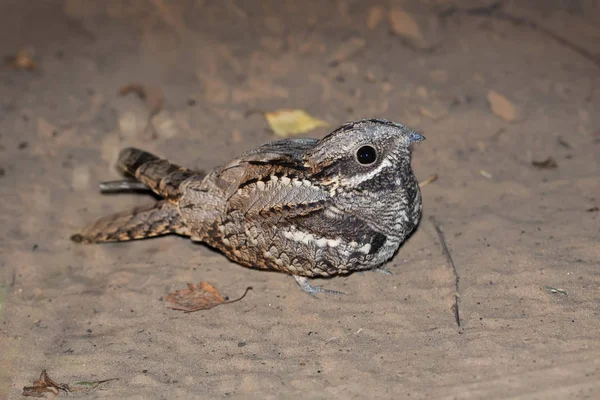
x=312, y=290
x=380, y=270
x=383, y=270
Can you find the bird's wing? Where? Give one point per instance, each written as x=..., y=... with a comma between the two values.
x=272, y=178
x=284, y=153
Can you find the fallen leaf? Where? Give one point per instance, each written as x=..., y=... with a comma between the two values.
x=291, y=122
x=44, y=385
x=152, y=96
x=404, y=25
x=502, y=107
x=196, y=297
x=23, y=60
x=548, y=163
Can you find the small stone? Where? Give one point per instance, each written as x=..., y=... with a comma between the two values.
x=165, y=125
x=129, y=124
x=81, y=178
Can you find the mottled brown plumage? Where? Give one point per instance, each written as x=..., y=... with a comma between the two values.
x=305, y=207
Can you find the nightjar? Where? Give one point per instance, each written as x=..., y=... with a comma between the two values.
x=304, y=207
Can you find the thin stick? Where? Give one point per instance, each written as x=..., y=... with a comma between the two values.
x=121, y=186
x=582, y=51
x=429, y=180
x=495, y=11
x=446, y=252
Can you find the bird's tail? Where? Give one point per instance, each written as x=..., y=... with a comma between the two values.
x=142, y=222
x=161, y=176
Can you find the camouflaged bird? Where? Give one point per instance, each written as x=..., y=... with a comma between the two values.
x=305, y=207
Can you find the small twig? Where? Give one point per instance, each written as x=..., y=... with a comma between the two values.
x=122, y=185
x=13, y=279
x=87, y=385
x=429, y=180
x=495, y=11
x=583, y=52
x=218, y=304
x=451, y=262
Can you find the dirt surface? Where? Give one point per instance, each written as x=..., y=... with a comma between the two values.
x=494, y=90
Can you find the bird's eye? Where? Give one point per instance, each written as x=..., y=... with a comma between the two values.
x=366, y=155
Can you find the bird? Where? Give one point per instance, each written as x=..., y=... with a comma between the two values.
x=304, y=207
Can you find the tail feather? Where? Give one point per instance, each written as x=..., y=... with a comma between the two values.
x=159, y=175
x=142, y=222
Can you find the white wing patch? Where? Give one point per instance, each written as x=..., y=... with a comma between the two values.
x=299, y=236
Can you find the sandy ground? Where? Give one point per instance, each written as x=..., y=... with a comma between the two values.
x=493, y=91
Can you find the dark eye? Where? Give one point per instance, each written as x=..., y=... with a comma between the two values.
x=366, y=155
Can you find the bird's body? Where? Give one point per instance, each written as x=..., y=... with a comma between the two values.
x=305, y=207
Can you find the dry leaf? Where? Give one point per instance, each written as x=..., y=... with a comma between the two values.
x=291, y=122
x=22, y=61
x=44, y=385
x=502, y=107
x=153, y=97
x=196, y=297
x=404, y=25
x=548, y=163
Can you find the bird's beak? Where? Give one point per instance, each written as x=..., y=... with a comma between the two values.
x=415, y=137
